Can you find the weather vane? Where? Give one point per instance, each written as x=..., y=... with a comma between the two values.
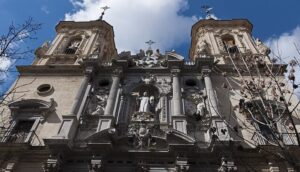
x=150, y=42
x=104, y=9
x=207, y=10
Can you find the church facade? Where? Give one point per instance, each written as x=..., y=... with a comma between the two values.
x=82, y=107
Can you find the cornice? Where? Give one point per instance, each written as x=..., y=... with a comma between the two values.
x=50, y=70
x=82, y=25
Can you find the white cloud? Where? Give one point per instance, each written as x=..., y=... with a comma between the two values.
x=285, y=45
x=136, y=21
x=5, y=63
x=45, y=9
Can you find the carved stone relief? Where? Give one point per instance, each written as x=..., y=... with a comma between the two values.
x=98, y=102
x=148, y=98
x=149, y=59
x=195, y=104
x=220, y=44
x=203, y=47
x=263, y=49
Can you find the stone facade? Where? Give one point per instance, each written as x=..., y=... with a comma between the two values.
x=82, y=107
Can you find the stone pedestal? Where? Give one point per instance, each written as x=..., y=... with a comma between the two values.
x=95, y=164
x=53, y=164
x=182, y=164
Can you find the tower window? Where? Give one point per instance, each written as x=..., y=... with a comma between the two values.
x=73, y=46
x=229, y=44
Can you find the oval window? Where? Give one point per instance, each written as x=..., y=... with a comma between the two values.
x=44, y=89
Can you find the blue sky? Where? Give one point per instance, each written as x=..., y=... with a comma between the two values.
x=167, y=22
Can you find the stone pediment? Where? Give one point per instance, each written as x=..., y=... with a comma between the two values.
x=156, y=140
x=29, y=106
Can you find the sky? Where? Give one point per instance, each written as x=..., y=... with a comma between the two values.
x=166, y=22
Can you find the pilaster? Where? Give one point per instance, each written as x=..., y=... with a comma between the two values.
x=106, y=121
x=178, y=118
x=219, y=127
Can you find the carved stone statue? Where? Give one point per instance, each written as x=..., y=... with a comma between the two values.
x=145, y=103
x=74, y=44
x=200, y=109
x=263, y=49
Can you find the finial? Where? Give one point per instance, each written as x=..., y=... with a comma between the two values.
x=150, y=42
x=207, y=11
x=104, y=9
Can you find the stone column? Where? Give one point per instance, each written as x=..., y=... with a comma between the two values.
x=212, y=101
x=219, y=127
x=177, y=100
x=81, y=91
x=106, y=121
x=178, y=118
x=109, y=109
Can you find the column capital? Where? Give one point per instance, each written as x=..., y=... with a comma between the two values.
x=205, y=71
x=175, y=72
x=88, y=70
x=117, y=72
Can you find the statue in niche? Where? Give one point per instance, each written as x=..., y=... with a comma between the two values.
x=147, y=103
x=200, y=113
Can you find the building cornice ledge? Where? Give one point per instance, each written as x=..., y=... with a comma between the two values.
x=50, y=69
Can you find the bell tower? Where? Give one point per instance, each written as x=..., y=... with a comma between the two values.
x=76, y=41
x=223, y=38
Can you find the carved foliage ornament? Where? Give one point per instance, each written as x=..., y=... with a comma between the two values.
x=140, y=135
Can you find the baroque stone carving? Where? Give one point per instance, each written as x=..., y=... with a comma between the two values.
x=263, y=49
x=140, y=134
x=149, y=79
x=195, y=103
x=98, y=102
x=227, y=166
x=41, y=51
x=220, y=44
x=150, y=60
x=203, y=47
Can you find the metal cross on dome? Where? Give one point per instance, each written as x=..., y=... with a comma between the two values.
x=104, y=9
x=150, y=42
